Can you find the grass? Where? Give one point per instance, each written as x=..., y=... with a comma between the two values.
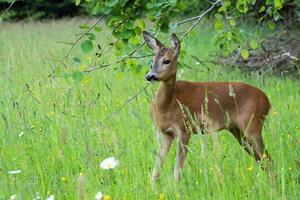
x=56, y=131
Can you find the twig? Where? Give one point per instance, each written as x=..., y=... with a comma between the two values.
x=199, y=18
x=7, y=9
x=187, y=20
x=142, y=56
x=74, y=43
x=116, y=62
x=259, y=21
x=128, y=101
x=68, y=43
x=130, y=55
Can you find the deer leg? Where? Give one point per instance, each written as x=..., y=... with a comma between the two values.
x=252, y=142
x=238, y=135
x=183, y=140
x=164, y=143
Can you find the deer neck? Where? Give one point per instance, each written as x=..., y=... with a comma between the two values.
x=165, y=93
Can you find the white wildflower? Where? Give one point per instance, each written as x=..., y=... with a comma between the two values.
x=13, y=172
x=109, y=163
x=21, y=134
x=51, y=197
x=98, y=196
x=13, y=197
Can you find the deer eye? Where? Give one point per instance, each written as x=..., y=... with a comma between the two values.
x=166, y=62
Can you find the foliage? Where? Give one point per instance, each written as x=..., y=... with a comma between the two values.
x=127, y=19
x=42, y=9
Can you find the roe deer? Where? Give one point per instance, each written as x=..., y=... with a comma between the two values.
x=234, y=106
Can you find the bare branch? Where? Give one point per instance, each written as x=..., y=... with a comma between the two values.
x=128, y=101
x=118, y=61
x=7, y=9
x=259, y=21
x=68, y=43
x=187, y=20
x=74, y=43
x=142, y=56
x=199, y=18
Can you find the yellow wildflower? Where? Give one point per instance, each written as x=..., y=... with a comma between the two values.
x=107, y=197
x=289, y=136
x=162, y=196
x=264, y=156
x=63, y=179
x=250, y=168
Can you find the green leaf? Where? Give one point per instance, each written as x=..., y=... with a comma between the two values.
x=232, y=22
x=96, y=9
x=271, y=25
x=76, y=60
x=126, y=34
x=91, y=36
x=111, y=3
x=222, y=9
x=87, y=46
x=136, y=40
x=77, y=2
x=141, y=23
x=150, y=5
x=245, y=53
x=77, y=76
x=58, y=71
x=229, y=35
x=84, y=26
x=277, y=4
x=117, y=34
x=123, y=3
x=129, y=25
x=254, y=44
x=262, y=9
x=172, y=1
x=219, y=25
x=242, y=7
x=98, y=28
x=164, y=27
x=138, y=30
x=218, y=16
x=106, y=10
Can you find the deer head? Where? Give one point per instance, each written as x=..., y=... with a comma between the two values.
x=164, y=62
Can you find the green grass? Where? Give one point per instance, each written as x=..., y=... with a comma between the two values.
x=65, y=130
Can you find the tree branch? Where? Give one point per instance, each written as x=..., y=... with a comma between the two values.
x=7, y=9
x=74, y=43
x=128, y=101
x=199, y=18
x=130, y=55
x=118, y=61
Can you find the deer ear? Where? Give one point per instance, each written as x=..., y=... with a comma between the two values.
x=175, y=44
x=152, y=42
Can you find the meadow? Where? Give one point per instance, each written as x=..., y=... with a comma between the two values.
x=56, y=132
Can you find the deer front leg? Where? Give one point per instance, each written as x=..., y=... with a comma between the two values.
x=164, y=143
x=183, y=140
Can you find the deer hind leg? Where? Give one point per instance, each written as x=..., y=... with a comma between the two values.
x=239, y=136
x=164, y=143
x=251, y=139
x=183, y=140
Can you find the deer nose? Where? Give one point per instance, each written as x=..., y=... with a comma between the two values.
x=151, y=77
